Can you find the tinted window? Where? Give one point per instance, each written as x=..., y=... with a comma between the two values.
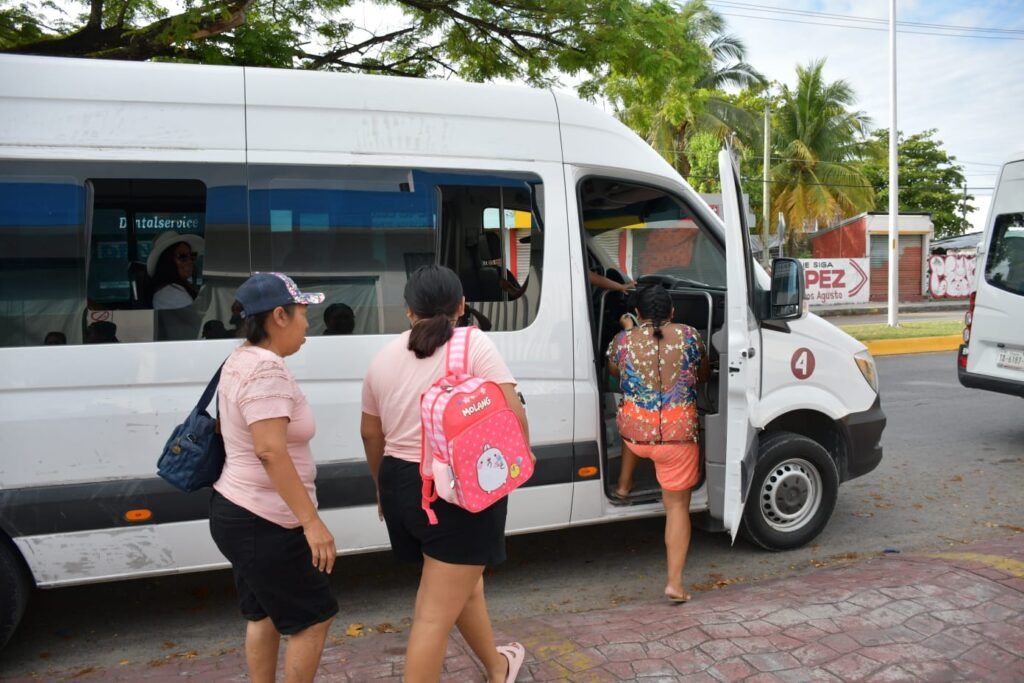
x=42, y=256
x=77, y=238
x=1004, y=267
x=358, y=233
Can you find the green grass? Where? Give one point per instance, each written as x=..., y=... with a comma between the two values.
x=936, y=328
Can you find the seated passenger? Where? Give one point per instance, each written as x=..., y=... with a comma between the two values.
x=101, y=332
x=339, y=319
x=214, y=329
x=659, y=364
x=172, y=265
x=55, y=339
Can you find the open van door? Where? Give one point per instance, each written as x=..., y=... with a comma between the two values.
x=743, y=347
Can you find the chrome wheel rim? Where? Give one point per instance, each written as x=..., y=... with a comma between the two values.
x=790, y=495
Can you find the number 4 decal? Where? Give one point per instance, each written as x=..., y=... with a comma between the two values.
x=802, y=363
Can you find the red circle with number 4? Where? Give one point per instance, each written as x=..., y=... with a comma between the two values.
x=802, y=363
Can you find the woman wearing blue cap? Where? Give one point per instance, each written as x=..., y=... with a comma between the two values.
x=263, y=514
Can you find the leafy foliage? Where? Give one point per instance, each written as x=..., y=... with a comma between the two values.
x=930, y=180
x=816, y=177
x=529, y=40
x=669, y=114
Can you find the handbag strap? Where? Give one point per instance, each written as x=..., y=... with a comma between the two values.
x=211, y=389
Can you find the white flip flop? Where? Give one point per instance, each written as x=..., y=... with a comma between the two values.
x=515, y=653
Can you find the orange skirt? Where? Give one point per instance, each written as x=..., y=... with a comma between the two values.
x=677, y=465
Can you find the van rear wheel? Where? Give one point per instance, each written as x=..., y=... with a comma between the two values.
x=14, y=589
x=795, y=487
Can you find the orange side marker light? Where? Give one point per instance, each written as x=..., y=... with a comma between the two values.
x=140, y=515
x=585, y=472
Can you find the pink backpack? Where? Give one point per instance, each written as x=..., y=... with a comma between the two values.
x=474, y=450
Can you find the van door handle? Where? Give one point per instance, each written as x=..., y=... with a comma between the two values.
x=749, y=353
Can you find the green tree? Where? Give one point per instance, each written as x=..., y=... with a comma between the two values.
x=530, y=40
x=930, y=179
x=673, y=118
x=817, y=137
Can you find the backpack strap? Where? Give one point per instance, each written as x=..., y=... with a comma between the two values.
x=428, y=493
x=456, y=360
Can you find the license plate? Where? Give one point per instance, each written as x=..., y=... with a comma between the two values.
x=1014, y=360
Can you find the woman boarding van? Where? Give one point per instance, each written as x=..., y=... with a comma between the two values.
x=349, y=183
x=992, y=355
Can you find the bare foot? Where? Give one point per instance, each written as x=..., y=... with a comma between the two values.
x=677, y=594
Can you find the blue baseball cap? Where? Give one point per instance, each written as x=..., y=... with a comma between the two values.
x=266, y=291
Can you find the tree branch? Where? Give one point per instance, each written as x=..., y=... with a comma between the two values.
x=319, y=61
x=95, y=16
x=145, y=42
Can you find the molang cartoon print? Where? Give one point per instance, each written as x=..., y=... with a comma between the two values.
x=491, y=469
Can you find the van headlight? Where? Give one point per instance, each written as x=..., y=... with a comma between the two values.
x=867, y=368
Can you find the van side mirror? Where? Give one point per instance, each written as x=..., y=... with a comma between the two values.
x=787, y=295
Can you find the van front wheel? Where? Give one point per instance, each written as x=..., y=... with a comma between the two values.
x=14, y=589
x=794, y=491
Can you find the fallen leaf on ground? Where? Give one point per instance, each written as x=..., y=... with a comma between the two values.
x=170, y=645
x=385, y=628
x=956, y=477
x=124, y=662
x=84, y=672
x=354, y=630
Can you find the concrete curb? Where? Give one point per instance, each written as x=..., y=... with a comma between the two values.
x=893, y=347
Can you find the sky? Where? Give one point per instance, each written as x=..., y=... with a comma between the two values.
x=970, y=89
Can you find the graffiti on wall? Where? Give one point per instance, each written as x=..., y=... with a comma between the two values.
x=952, y=275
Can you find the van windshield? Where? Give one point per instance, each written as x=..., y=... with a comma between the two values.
x=1004, y=267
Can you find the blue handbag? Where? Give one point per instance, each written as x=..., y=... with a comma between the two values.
x=194, y=455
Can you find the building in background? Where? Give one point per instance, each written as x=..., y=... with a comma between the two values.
x=867, y=236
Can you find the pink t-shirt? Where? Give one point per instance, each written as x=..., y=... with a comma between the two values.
x=256, y=385
x=397, y=378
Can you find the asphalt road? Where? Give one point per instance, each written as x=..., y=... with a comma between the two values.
x=953, y=472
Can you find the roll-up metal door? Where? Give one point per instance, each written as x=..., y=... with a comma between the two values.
x=910, y=285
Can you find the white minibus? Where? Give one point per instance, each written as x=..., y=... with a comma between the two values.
x=992, y=355
x=348, y=183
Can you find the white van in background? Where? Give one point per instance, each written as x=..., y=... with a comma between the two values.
x=349, y=183
x=992, y=355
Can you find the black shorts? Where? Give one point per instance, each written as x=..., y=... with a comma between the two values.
x=273, y=569
x=459, y=537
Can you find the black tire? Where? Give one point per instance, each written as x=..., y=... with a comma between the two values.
x=15, y=587
x=795, y=487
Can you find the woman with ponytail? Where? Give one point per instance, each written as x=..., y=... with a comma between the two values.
x=455, y=551
x=659, y=364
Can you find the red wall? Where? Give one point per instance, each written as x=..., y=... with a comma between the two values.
x=849, y=241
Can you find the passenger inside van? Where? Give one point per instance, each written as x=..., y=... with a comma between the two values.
x=55, y=339
x=101, y=332
x=339, y=319
x=172, y=267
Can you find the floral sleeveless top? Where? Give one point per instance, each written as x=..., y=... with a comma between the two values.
x=659, y=385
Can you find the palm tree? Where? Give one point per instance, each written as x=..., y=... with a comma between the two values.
x=692, y=102
x=817, y=178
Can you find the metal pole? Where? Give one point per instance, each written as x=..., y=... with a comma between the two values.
x=894, y=188
x=766, y=195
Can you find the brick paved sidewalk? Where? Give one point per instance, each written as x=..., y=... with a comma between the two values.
x=956, y=615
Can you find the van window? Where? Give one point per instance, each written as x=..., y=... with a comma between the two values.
x=640, y=230
x=1005, y=265
x=78, y=259
x=42, y=256
x=358, y=233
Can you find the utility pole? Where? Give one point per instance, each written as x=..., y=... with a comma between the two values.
x=766, y=195
x=894, y=182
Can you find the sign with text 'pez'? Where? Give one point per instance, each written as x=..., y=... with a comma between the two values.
x=835, y=281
